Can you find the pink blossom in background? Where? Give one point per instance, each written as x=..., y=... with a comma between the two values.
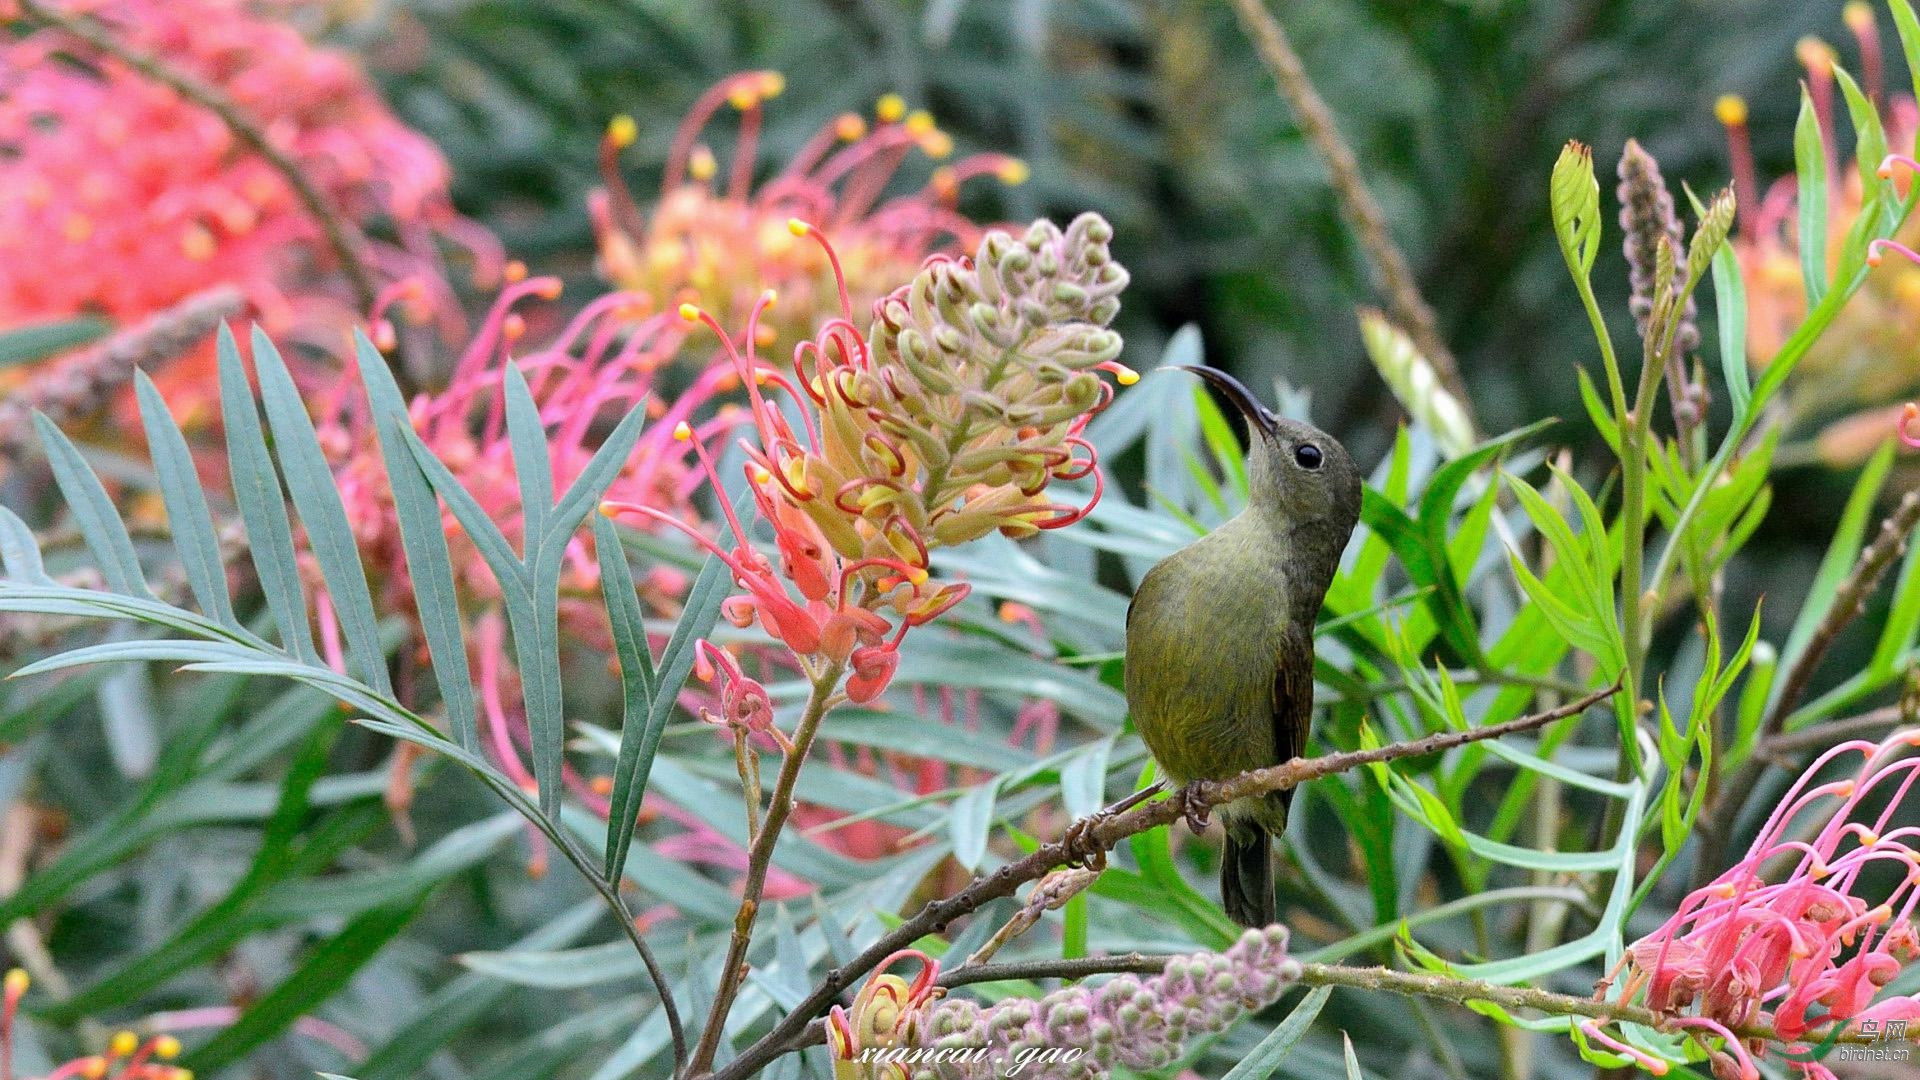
x=124, y=198
x=717, y=239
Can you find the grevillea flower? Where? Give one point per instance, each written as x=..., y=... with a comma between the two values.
x=1787, y=938
x=124, y=198
x=128, y=1057
x=885, y=1015
x=721, y=241
x=590, y=370
x=1079, y=1032
x=1844, y=383
x=946, y=421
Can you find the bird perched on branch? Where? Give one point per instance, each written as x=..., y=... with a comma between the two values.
x=1219, y=668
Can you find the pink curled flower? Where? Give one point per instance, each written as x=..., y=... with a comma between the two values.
x=1806, y=952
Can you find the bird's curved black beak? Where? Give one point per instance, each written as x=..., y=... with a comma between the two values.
x=1258, y=416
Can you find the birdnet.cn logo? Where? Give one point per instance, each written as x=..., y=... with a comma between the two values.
x=1007, y=1064
x=1873, y=1040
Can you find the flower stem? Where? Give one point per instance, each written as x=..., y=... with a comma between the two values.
x=759, y=860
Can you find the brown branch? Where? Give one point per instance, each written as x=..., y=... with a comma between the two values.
x=1875, y=722
x=1438, y=987
x=1106, y=829
x=342, y=236
x=1390, y=270
x=84, y=382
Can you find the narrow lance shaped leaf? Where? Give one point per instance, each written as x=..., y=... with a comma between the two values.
x=429, y=562
x=93, y=512
x=1810, y=167
x=187, y=513
x=310, y=482
x=637, y=748
x=20, y=551
x=532, y=464
x=263, y=508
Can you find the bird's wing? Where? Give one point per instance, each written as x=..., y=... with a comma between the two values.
x=1292, y=697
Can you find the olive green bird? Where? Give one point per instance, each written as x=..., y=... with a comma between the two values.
x=1219, y=668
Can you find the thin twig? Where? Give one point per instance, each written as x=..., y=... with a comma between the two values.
x=1875, y=722
x=1848, y=603
x=342, y=236
x=1394, y=276
x=86, y=380
x=1106, y=829
x=733, y=973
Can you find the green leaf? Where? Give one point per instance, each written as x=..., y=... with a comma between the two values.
x=263, y=506
x=34, y=342
x=325, y=971
x=1730, y=302
x=638, y=746
x=20, y=552
x=972, y=822
x=309, y=480
x=1870, y=139
x=1264, y=1059
x=429, y=564
x=531, y=463
x=186, y=501
x=1810, y=166
x=93, y=511
x=1909, y=28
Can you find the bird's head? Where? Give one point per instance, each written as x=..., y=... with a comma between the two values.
x=1294, y=469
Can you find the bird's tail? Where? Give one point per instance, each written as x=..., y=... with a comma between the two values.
x=1246, y=874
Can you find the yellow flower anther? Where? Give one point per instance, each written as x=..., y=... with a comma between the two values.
x=1125, y=375
x=123, y=1044
x=744, y=97
x=621, y=131
x=17, y=982
x=849, y=127
x=183, y=1074
x=798, y=227
x=890, y=108
x=690, y=312
x=609, y=509
x=700, y=164
x=760, y=474
x=1858, y=16
x=920, y=122
x=197, y=243
x=1816, y=55
x=93, y=1068
x=683, y=431
x=1013, y=172
x=166, y=1048
x=917, y=575
x=772, y=84
x=515, y=271
x=936, y=144
x=770, y=297
x=1868, y=838
x=549, y=289
x=1731, y=110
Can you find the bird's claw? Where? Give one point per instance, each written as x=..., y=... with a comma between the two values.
x=1083, y=845
x=1194, y=808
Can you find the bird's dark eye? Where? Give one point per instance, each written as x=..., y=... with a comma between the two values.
x=1307, y=456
